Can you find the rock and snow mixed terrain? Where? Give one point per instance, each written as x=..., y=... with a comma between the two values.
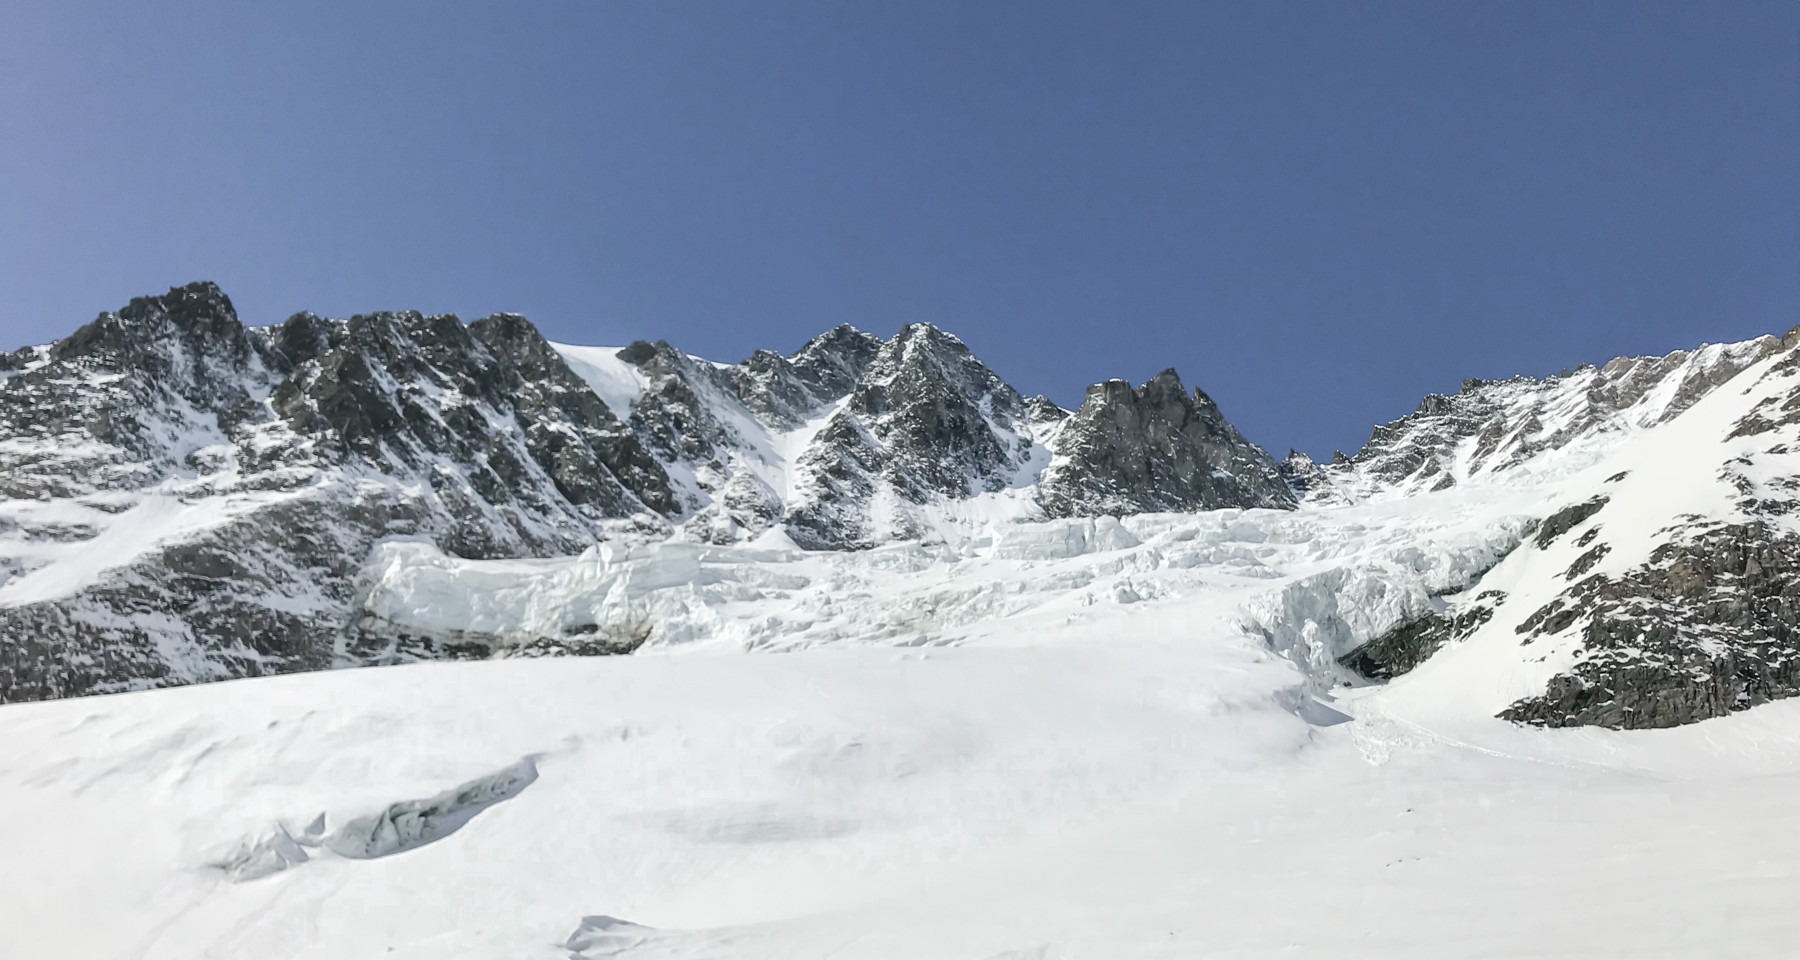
x=188, y=499
x=920, y=667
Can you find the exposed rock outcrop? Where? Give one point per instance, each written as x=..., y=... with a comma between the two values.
x=209, y=492
x=230, y=492
x=1709, y=626
x=1400, y=650
x=184, y=499
x=1157, y=447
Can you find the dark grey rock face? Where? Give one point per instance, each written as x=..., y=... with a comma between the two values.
x=1566, y=519
x=934, y=408
x=771, y=388
x=1708, y=622
x=833, y=363
x=476, y=437
x=487, y=414
x=925, y=420
x=592, y=456
x=126, y=400
x=1709, y=626
x=270, y=592
x=884, y=428
x=1156, y=448
x=785, y=392
x=1307, y=480
x=1041, y=410
x=1400, y=650
x=678, y=411
x=842, y=471
x=1704, y=620
x=713, y=423
x=1777, y=413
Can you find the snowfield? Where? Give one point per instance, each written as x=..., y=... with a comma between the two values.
x=1073, y=741
x=1078, y=739
x=1148, y=797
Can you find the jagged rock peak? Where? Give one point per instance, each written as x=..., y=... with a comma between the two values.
x=407, y=391
x=1302, y=473
x=199, y=305
x=924, y=352
x=197, y=319
x=643, y=353
x=1042, y=410
x=1156, y=448
x=151, y=391
x=950, y=424
x=305, y=336
x=832, y=362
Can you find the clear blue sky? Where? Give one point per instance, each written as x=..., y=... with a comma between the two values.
x=1317, y=211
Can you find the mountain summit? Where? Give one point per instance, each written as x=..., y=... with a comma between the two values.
x=191, y=499
x=185, y=499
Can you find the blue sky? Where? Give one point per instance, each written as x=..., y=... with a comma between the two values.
x=1316, y=211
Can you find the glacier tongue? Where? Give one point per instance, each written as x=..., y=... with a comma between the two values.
x=1562, y=629
x=1312, y=585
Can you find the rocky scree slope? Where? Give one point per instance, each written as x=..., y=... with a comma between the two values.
x=183, y=498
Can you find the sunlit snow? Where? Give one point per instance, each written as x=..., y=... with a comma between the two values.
x=1090, y=738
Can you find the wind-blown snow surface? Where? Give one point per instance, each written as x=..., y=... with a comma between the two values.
x=1087, y=738
x=1145, y=797
x=1066, y=740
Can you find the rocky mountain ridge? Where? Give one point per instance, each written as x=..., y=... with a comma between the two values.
x=1492, y=427
x=187, y=498
x=183, y=498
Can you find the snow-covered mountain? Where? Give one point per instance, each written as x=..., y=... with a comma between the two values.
x=189, y=499
x=1054, y=684
x=1662, y=586
x=1493, y=427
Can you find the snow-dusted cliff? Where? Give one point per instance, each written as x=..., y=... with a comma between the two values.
x=187, y=499
x=1094, y=683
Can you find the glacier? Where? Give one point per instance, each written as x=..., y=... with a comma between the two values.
x=1510, y=681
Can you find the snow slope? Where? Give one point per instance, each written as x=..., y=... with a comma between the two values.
x=617, y=383
x=1087, y=738
x=1505, y=431
x=988, y=736
x=1655, y=492
x=1112, y=800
